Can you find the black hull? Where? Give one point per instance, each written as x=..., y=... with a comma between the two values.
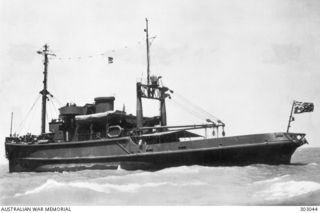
x=242, y=150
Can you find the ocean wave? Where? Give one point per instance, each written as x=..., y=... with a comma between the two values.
x=288, y=189
x=105, y=187
x=181, y=170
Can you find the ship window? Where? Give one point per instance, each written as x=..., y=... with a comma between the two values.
x=114, y=131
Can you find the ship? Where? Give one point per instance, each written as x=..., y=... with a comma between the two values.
x=96, y=136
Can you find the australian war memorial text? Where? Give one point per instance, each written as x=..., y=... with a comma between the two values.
x=35, y=209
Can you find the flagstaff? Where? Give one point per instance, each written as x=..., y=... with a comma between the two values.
x=11, y=124
x=290, y=117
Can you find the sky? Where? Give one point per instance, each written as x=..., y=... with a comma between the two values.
x=243, y=61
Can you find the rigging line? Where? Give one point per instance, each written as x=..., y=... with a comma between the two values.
x=203, y=115
x=141, y=77
x=101, y=54
x=27, y=115
x=57, y=100
x=194, y=105
x=152, y=39
x=47, y=116
x=55, y=109
x=197, y=107
x=32, y=119
x=204, y=111
x=49, y=113
x=193, y=113
x=191, y=109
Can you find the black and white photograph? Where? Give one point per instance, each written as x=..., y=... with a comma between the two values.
x=149, y=103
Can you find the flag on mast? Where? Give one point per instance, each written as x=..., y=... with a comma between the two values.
x=301, y=107
x=110, y=60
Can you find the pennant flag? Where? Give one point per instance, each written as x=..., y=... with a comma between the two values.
x=301, y=107
x=110, y=60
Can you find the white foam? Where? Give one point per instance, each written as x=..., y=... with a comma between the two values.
x=312, y=164
x=168, y=171
x=180, y=170
x=288, y=189
x=106, y=187
x=49, y=184
x=272, y=180
x=119, y=167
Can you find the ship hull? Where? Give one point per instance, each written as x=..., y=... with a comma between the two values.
x=124, y=153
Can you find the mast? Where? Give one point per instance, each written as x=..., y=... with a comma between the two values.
x=148, y=51
x=11, y=124
x=139, y=109
x=151, y=90
x=45, y=52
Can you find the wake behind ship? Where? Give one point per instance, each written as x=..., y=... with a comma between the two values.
x=96, y=136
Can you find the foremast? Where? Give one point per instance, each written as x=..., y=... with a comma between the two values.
x=44, y=92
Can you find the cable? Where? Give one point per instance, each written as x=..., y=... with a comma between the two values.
x=201, y=110
x=49, y=113
x=57, y=100
x=28, y=113
x=30, y=124
x=101, y=54
x=47, y=116
x=193, y=113
x=55, y=109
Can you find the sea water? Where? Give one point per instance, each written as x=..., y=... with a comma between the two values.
x=258, y=184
